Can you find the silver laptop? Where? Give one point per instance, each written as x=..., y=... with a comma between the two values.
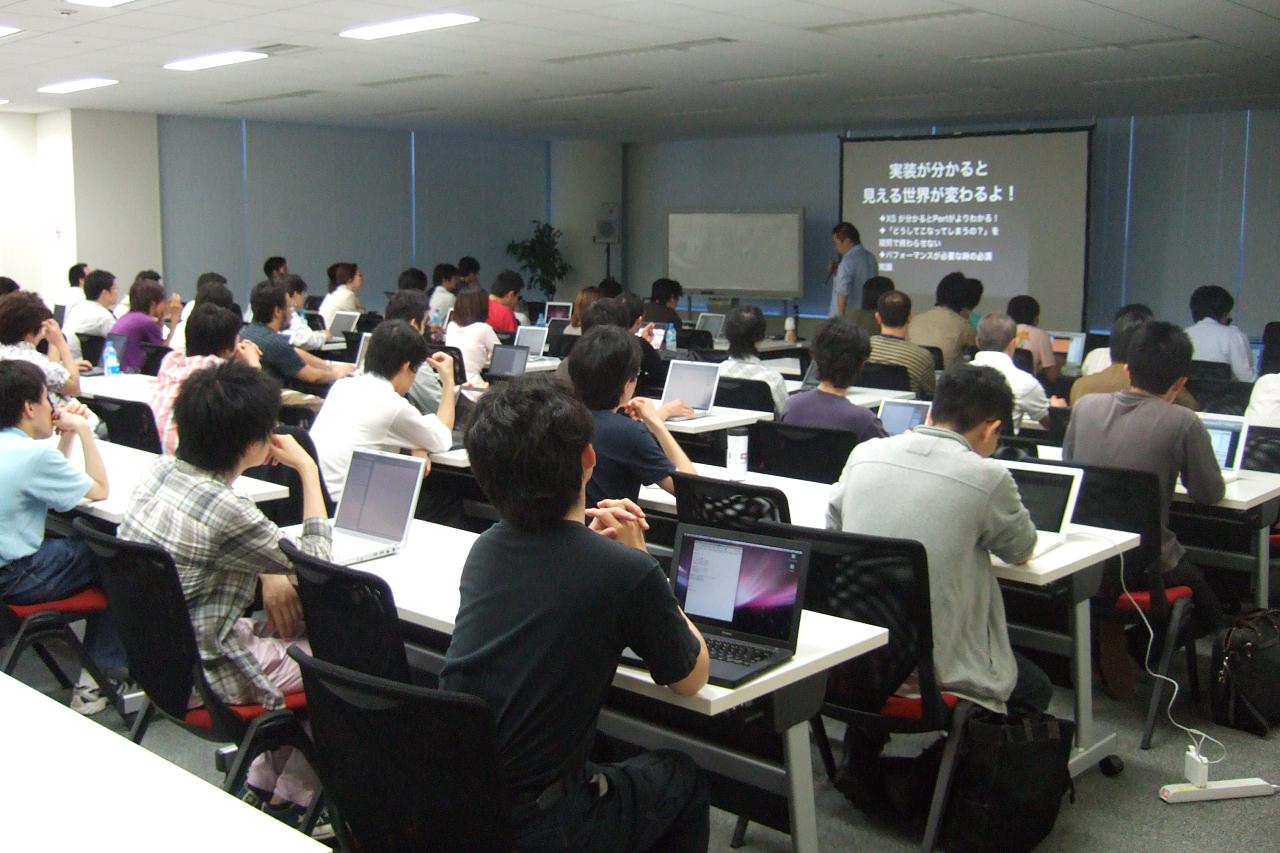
x=898, y=416
x=343, y=321
x=1049, y=493
x=360, y=353
x=507, y=361
x=533, y=337
x=559, y=311
x=377, y=506
x=1075, y=349
x=448, y=318
x=694, y=383
x=1227, y=434
x=712, y=323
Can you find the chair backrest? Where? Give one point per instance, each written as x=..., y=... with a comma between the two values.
x=699, y=339
x=1024, y=360
x=129, y=422
x=368, y=321
x=534, y=310
x=351, y=616
x=153, y=355
x=313, y=303
x=1094, y=340
x=459, y=366
x=286, y=511
x=891, y=377
x=560, y=345
x=879, y=582
x=408, y=768
x=1262, y=449
x=805, y=453
x=727, y=504
x=315, y=320
x=1223, y=398
x=939, y=362
x=1270, y=362
x=1209, y=371
x=753, y=394
x=91, y=347
x=1059, y=419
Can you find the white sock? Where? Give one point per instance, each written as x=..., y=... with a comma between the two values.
x=86, y=680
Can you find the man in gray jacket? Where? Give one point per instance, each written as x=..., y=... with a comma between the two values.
x=963, y=507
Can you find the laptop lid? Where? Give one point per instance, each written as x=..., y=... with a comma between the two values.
x=343, y=321
x=364, y=348
x=810, y=380
x=559, y=311
x=1048, y=492
x=694, y=382
x=712, y=323
x=533, y=337
x=380, y=495
x=508, y=361
x=740, y=585
x=898, y=416
x=1075, y=345
x=1227, y=434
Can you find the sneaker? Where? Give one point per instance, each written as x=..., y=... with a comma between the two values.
x=293, y=815
x=89, y=698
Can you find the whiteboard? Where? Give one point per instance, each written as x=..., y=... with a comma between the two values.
x=756, y=253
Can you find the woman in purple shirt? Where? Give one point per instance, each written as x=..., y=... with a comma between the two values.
x=839, y=349
x=144, y=324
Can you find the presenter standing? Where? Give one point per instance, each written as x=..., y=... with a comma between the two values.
x=855, y=266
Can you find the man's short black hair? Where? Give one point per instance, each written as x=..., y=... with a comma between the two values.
x=846, y=231
x=665, y=288
x=950, y=293
x=1024, y=309
x=894, y=308
x=873, y=288
x=209, y=276
x=407, y=305
x=610, y=287
x=21, y=314
x=212, y=289
x=96, y=283
x=412, y=279
x=1159, y=355
x=273, y=265
x=145, y=293
x=970, y=394
x=294, y=284
x=148, y=275
x=1122, y=332
x=442, y=273
x=468, y=265
x=525, y=442
x=21, y=382
x=601, y=365
x=211, y=329
x=839, y=349
x=1135, y=309
x=392, y=344
x=221, y=412
x=265, y=298
x=507, y=281
x=1211, y=301
x=8, y=285
x=634, y=306
x=744, y=327
x=971, y=293
x=75, y=275
x=607, y=311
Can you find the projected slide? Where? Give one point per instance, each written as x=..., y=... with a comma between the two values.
x=1009, y=209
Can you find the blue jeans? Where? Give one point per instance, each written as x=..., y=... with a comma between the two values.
x=60, y=568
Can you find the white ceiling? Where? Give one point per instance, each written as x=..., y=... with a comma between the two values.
x=655, y=68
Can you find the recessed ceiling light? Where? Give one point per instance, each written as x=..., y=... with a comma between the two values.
x=3, y=102
x=69, y=86
x=8, y=31
x=99, y=4
x=214, y=60
x=408, y=25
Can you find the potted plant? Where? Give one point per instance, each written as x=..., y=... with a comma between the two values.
x=539, y=257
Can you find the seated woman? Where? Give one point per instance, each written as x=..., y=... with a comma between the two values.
x=581, y=303
x=839, y=349
x=744, y=327
x=470, y=332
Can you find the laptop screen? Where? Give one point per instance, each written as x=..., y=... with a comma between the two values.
x=712, y=323
x=1046, y=495
x=364, y=348
x=898, y=416
x=694, y=382
x=1075, y=346
x=559, y=311
x=810, y=380
x=533, y=337
x=378, y=499
x=508, y=362
x=343, y=321
x=1224, y=435
x=748, y=587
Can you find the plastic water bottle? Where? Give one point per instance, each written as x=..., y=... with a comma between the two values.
x=735, y=457
x=669, y=343
x=110, y=361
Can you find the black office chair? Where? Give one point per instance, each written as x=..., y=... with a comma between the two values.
x=1262, y=449
x=91, y=347
x=315, y=320
x=890, y=377
x=753, y=394
x=129, y=422
x=287, y=511
x=1059, y=420
x=406, y=768
x=154, y=355
x=805, y=453
x=694, y=339
x=351, y=616
x=459, y=366
x=1209, y=371
x=727, y=504
x=534, y=310
x=1095, y=340
x=881, y=582
x=368, y=321
x=1270, y=361
x=1024, y=360
x=312, y=302
x=938, y=361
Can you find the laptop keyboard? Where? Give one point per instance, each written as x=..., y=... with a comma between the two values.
x=728, y=651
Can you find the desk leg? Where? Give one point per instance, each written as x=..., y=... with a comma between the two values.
x=804, y=818
x=1264, y=567
x=1088, y=752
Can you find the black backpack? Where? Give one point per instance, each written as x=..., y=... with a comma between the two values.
x=1245, y=692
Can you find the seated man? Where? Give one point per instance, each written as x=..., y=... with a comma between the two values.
x=92, y=316
x=223, y=546
x=1213, y=338
x=271, y=312
x=34, y=478
x=662, y=309
x=547, y=605
x=369, y=411
x=893, y=313
x=144, y=322
x=633, y=447
x=946, y=325
x=25, y=321
x=445, y=281
x=1025, y=311
x=211, y=289
x=1099, y=358
x=962, y=507
x=411, y=306
x=301, y=335
x=629, y=314
x=997, y=339
x=504, y=295
x=1115, y=377
x=839, y=349
x=744, y=328
x=864, y=316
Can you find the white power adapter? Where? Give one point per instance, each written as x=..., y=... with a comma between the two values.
x=1196, y=768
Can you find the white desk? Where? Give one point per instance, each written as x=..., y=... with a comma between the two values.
x=113, y=783
x=719, y=418
x=456, y=458
x=859, y=396
x=133, y=387
x=807, y=500
x=542, y=365
x=334, y=345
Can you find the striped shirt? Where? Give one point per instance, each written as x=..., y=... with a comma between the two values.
x=918, y=361
x=174, y=370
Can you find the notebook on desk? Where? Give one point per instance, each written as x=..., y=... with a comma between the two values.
x=1049, y=493
x=376, y=510
x=744, y=592
x=1227, y=434
x=694, y=383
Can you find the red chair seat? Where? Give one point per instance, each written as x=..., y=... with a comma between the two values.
x=199, y=717
x=904, y=708
x=1143, y=598
x=1275, y=540
x=88, y=600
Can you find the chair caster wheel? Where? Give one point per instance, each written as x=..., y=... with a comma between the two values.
x=1111, y=766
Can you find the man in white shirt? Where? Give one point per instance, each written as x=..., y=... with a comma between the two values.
x=444, y=285
x=370, y=411
x=1213, y=338
x=93, y=315
x=74, y=294
x=997, y=339
x=301, y=335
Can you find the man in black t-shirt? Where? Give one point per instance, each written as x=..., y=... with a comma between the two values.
x=548, y=603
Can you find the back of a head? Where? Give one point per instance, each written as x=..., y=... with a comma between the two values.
x=601, y=364
x=950, y=291
x=75, y=275
x=610, y=287
x=968, y=395
x=472, y=305
x=744, y=327
x=211, y=330
x=265, y=298
x=412, y=279
x=408, y=305
x=526, y=441
x=839, y=349
x=393, y=344
x=148, y=275
x=996, y=332
x=442, y=273
x=21, y=382
x=293, y=284
x=221, y=412
x=273, y=265
x=1135, y=309
x=8, y=285
x=1122, y=333
x=606, y=311
x=1211, y=301
x=332, y=272
x=21, y=314
x=506, y=282
x=634, y=306
x=344, y=272
x=144, y=293
x=894, y=309
x=1159, y=355
x=468, y=266
x=213, y=291
x=586, y=297
x=1024, y=309
x=96, y=282
x=873, y=288
x=665, y=289
x=846, y=232
x=971, y=293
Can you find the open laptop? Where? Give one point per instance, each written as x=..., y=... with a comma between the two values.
x=533, y=337
x=745, y=593
x=508, y=361
x=360, y=353
x=898, y=416
x=810, y=380
x=695, y=383
x=377, y=506
x=1049, y=493
x=1228, y=434
x=712, y=323
x=343, y=322
x=1075, y=347
x=559, y=311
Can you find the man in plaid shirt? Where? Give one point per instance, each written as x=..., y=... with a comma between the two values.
x=222, y=545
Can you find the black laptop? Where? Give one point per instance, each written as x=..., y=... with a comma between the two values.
x=507, y=362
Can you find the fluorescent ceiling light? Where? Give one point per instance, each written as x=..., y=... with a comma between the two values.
x=69, y=86
x=8, y=31
x=408, y=25
x=214, y=60
x=3, y=102
x=99, y=4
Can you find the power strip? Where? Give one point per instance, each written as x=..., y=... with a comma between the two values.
x=1228, y=789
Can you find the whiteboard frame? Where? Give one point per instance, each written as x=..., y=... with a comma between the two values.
x=763, y=294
